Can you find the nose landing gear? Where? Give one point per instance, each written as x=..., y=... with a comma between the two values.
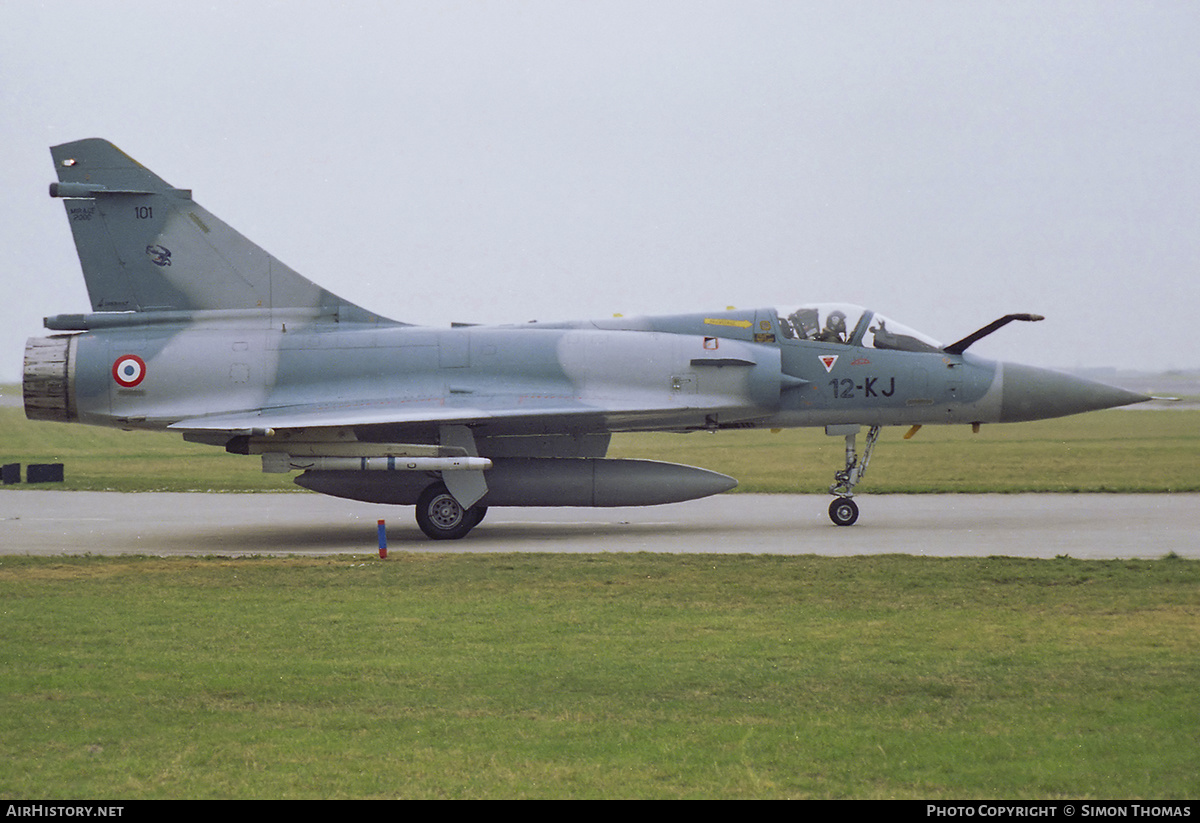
x=843, y=511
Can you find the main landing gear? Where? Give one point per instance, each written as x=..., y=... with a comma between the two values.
x=442, y=517
x=843, y=511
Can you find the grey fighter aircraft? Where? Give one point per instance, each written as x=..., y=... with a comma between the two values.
x=196, y=330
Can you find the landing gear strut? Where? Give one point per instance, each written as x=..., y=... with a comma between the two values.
x=844, y=511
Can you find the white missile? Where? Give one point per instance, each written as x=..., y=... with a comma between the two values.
x=278, y=462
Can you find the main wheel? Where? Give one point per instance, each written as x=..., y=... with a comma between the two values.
x=441, y=517
x=476, y=514
x=843, y=511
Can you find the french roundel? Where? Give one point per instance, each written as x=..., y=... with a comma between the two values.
x=128, y=370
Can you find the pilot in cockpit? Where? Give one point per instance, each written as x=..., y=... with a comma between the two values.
x=835, y=328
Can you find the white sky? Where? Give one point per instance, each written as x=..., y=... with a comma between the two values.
x=941, y=162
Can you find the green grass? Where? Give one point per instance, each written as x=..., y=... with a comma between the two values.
x=640, y=676
x=1114, y=451
x=102, y=459
x=612, y=676
x=1111, y=451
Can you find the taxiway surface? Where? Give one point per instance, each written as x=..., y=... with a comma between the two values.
x=1086, y=526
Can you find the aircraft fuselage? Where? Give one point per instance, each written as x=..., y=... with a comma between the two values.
x=596, y=379
x=197, y=330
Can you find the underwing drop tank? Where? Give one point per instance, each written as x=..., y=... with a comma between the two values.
x=537, y=481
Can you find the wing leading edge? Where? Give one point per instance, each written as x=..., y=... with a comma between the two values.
x=533, y=414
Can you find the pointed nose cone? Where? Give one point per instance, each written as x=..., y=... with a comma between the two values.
x=1034, y=394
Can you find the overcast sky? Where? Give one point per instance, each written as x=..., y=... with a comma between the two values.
x=941, y=162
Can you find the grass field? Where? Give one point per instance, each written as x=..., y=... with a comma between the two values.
x=613, y=676
x=599, y=676
x=1114, y=451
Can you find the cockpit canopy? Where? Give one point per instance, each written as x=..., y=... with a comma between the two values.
x=851, y=325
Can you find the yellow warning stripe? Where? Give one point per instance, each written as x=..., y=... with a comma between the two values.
x=722, y=321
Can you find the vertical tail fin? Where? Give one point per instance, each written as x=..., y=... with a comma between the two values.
x=146, y=246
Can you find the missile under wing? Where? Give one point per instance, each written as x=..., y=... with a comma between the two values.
x=197, y=330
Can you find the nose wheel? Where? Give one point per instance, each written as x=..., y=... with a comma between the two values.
x=844, y=511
